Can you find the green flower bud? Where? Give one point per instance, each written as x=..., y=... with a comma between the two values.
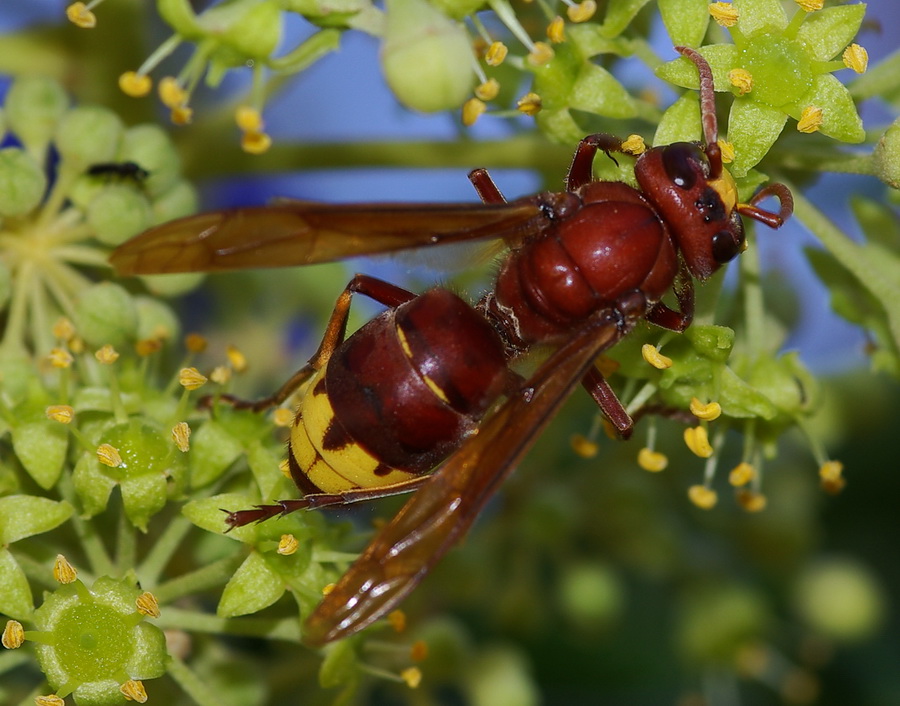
x=89, y=135
x=591, y=595
x=257, y=32
x=150, y=147
x=106, y=314
x=459, y=9
x=887, y=156
x=156, y=320
x=90, y=641
x=177, y=201
x=499, y=676
x=117, y=213
x=22, y=182
x=715, y=621
x=840, y=599
x=426, y=57
x=34, y=106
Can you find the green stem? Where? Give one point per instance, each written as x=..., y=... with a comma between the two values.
x=287, y=629
x=210, y=576
x=164, y=548
x=198, y=690
x=126, y=544
x=877, y=274
x=37, y=571
x=838, y=163
x=754, y=306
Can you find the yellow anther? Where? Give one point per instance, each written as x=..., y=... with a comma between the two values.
x=285, y=468
x=751, y=501
x=583, y=446
x=220, y=374
x=724, y=13
x=147, y=604
x=472, y=110
x=328, y=588
x=287, y=545
x=133, y=690
x=237, y=359
x=195, y=342
x=651, y=460
x=419, y=651
x=255, y=142
x=412, y=676
x=191, y=378
x=582, y=11
x=181, y=435
x=397, y=619
x=652, y=355
x=697, y=441
x=107, y=355
x=831, y=470
x=634, y=145
x=62, y=413
x=856, y=57
x=171, y=92
x=283, y=417
x=63, y=571
x=703, y=497
x=540, y=54
x=134, y=84
x=63, y=329
x=488, y=90
x=248, y=119
x=181, y=115
x=810, y=119
x=810, y=5
x=48, y=700
x=706, y=411
x=60, y=358
x=727, y=150
x=108, y=455
x=741, y=474
x=556, y=30
x=495, y=54
x=76, y=344
x=80, y=16
x=530, y=104
x=742, y=80
x=147, y=346
x=13, y=635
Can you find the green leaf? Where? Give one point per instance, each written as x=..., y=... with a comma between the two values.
x=41, y=447
x=213, y=449
x=752, y=129
x=680, y=122
x=92, y=485
x=207, y=513
x=740, y=400
x=686, y=20
x=340, y=664
x=760, y=16
x=825, y=33
x=180, y=16
x=619, y=14
x=253, y=586
x=264, y=466
x=143, y=496
x=26, y=515
x=559, y=126
x=839, y=117
x=597, y=91
x=15, y=593
x=721, y=58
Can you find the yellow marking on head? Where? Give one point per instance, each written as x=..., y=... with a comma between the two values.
x=433, y=386
x=404, y=343
x=725, y=187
